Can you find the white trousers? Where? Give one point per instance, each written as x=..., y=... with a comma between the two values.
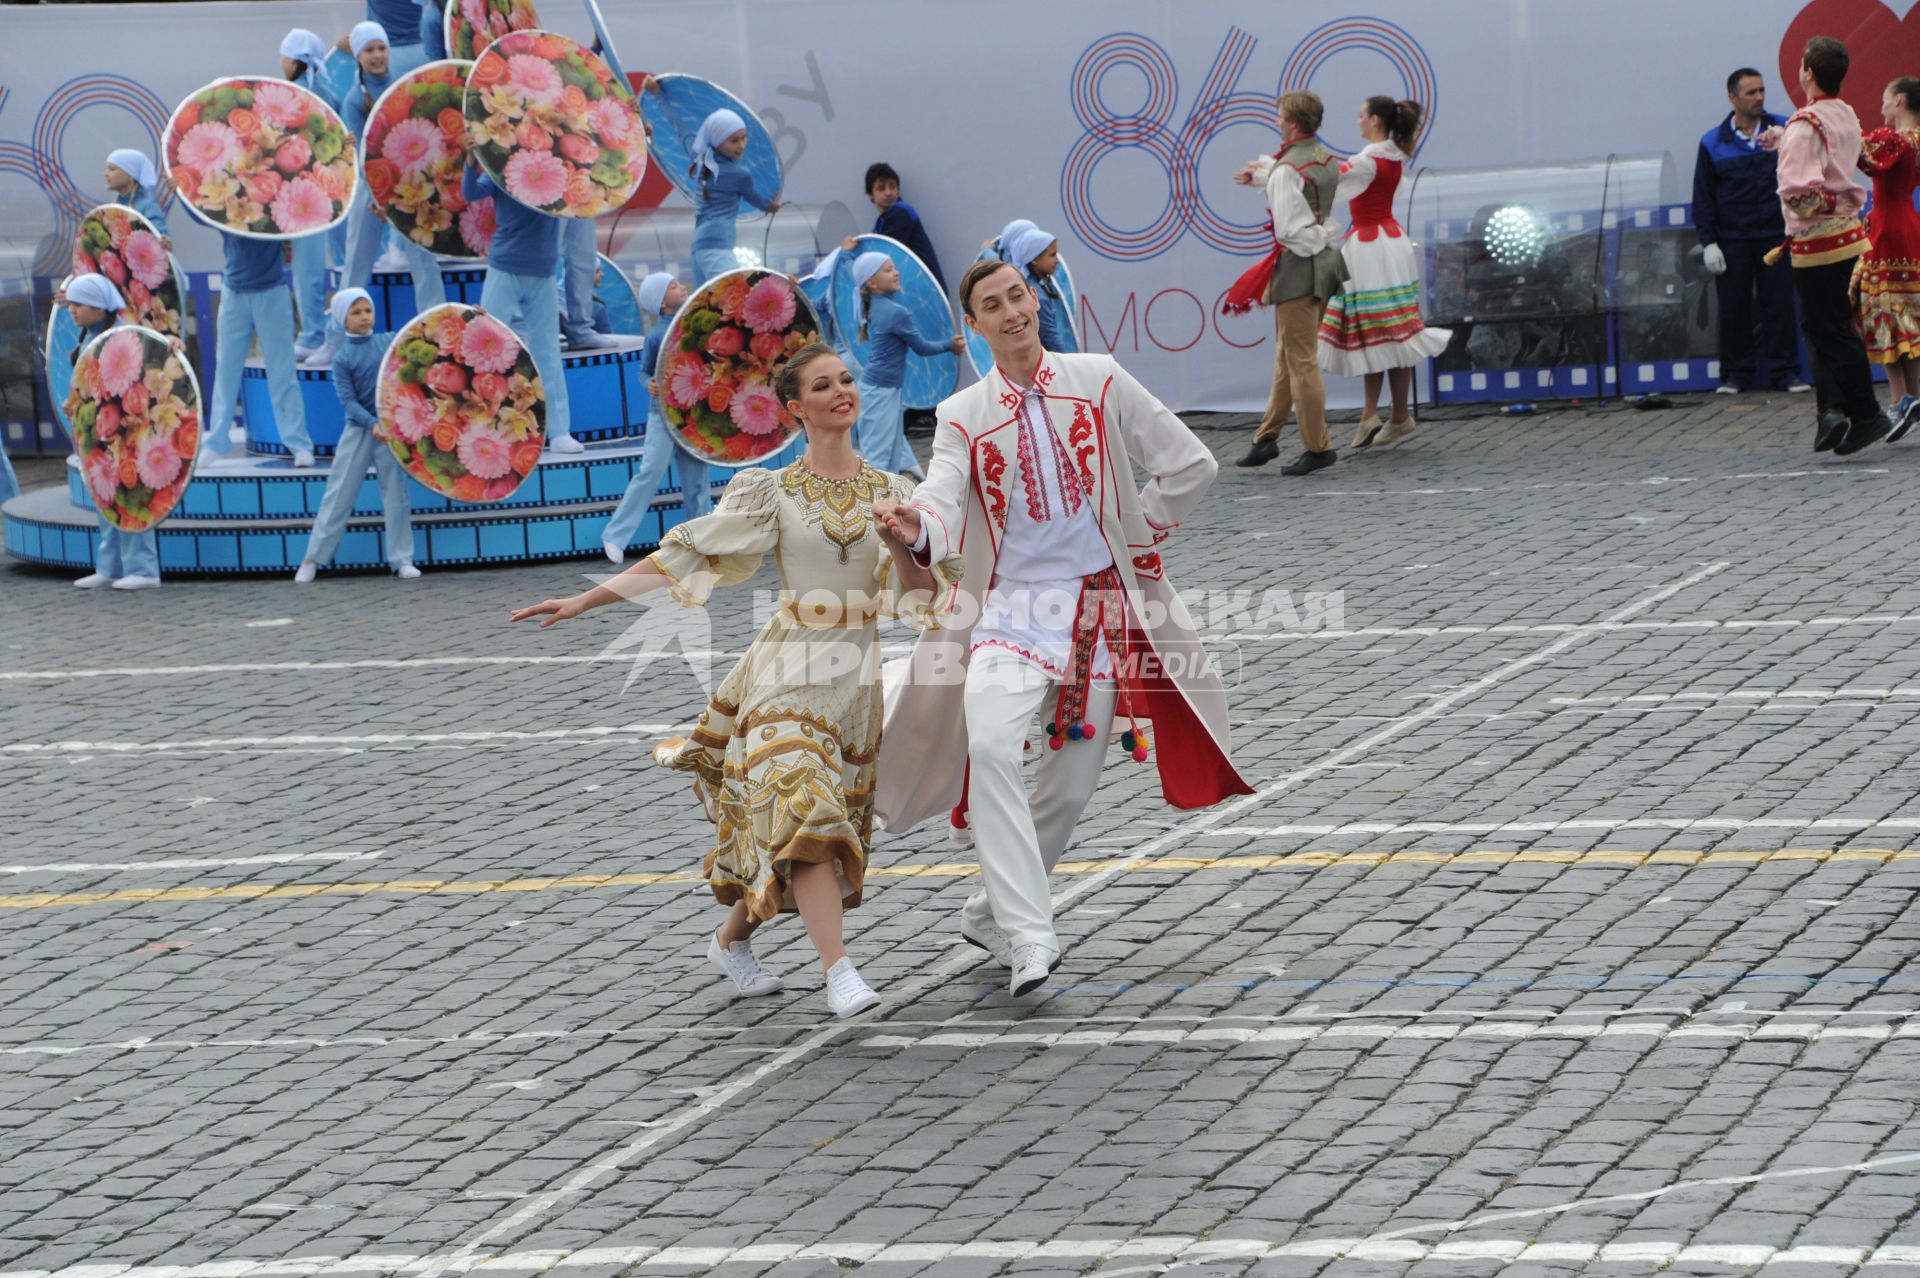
x=1019, y=840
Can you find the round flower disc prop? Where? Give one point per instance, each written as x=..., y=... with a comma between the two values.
x=416, y=148
x=472, y=25
x=63, y=342
x=461, y=404
x=122, y=245
x=718, y=360
x=676, y=105
x=553, y=125
x=261, y=158
x=134, y=409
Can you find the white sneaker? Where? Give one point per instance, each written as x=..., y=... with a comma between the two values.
x=304, y=576
x=742, y=968
x=615, y=554
x=1798, y=388
x=959, y=836
x=303, y=460
x=137, y=583
x=988, y=936
x=566, y=444
x=1726, y=388
x=847, y=994
x=93, y=580
x=1031, y=965
x=406, y=572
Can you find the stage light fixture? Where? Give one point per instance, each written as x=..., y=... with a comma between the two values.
x=1515, y=235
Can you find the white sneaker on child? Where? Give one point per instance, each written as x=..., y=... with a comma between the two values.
x=742, y=968
x=566, y=444
x=304, y=576
x=406, y=572
x=303, y=460
x=847, y=994
x=132, y=582
x=93, y=580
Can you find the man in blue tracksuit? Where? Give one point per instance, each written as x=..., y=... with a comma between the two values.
x=523, y=292
x=1736, y=210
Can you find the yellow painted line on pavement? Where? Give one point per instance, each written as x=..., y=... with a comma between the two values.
x=967, y=869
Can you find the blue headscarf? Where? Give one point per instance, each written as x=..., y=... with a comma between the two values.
x=652, y=293
x=714, y=130
x=305, y=47
x=866, y=266
x=343, y=301
x=135, y=165
x=96, y=291
x=1028, y=245
x=1009, y=232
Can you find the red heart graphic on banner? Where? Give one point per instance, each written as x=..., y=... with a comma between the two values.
x=1882, y=46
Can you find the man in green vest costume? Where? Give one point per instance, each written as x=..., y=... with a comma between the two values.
x=1303, y=271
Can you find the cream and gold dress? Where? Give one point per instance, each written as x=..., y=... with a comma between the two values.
x=783, y=756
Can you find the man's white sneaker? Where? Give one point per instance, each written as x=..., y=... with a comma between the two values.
x=1726, y=388
x=566, y=444
x=847, y=994
x=1031, y=964
x=304, y=574
x=988, y=936
x=93, y=580
x=137, y=583
x=742, y=968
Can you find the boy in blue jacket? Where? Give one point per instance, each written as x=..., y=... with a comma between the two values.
x=898, y=220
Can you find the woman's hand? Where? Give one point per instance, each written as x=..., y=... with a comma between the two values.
x=895, y=522
x=554, y=610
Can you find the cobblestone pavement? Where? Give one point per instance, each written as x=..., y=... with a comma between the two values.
x=1572, y=929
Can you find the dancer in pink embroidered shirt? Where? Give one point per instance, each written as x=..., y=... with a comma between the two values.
x=1818, y=150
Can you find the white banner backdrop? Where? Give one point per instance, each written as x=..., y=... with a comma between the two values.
x=1114, y=123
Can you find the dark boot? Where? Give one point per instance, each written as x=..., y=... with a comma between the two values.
x=1262, y=452
x=1860, y=434
x=1830, y=431
x=1307, y=463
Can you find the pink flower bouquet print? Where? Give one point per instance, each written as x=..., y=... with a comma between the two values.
x=120, y=244
x=260, y=158
x=135, y=412
x=461, y=404
x=416, y=148
x=554, y=126
x=718, y=361
x=472, y=25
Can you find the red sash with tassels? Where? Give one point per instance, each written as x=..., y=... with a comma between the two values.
x=1102, y=610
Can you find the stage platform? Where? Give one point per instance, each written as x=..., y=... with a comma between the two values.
x=252, y=515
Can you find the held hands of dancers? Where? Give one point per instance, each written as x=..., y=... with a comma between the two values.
x=896, y=522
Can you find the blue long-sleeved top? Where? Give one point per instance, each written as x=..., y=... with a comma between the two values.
x=253, y=266
x=1735, y=192
x=650, y=353
x=143, y=203
x=401, y=18
x=902, y=223
x=713, y=225
x=525, y=241
x=890, y=331
x=356, y=376
x=361, y=98
x=310, y=80
x=433, y=30
x=1056, y=327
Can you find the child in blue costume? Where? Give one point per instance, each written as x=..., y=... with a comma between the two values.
x=254, y=300
x=365, y=227
x=888, y=328
x=724, y=183
x=356, y=379
x=898, y=220
x=660, y=296
x=433, y=29
x=523, y=293
x=301, y=53
x=131, y=178
x=124, y=560
x=1036, y=254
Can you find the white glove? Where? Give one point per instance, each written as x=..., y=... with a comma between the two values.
x=1714, y=259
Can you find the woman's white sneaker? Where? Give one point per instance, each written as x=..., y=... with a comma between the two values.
x=742, y=968
x=847, y=994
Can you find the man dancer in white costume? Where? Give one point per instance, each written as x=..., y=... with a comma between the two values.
x=1032, y=483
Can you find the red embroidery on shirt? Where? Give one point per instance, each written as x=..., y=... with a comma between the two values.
x=1010, y=401
x=1148, y=565
x=1081, y=434
x=1036, y=492
x=1043, y=377
x=993, y=467
x=1071, y=495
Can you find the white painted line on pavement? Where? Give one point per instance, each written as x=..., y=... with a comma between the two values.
x=1362, y=828
x=1649, y=481
x=1744, y=694
x=1737, y=625
x=349, y=744
x=186, y=863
